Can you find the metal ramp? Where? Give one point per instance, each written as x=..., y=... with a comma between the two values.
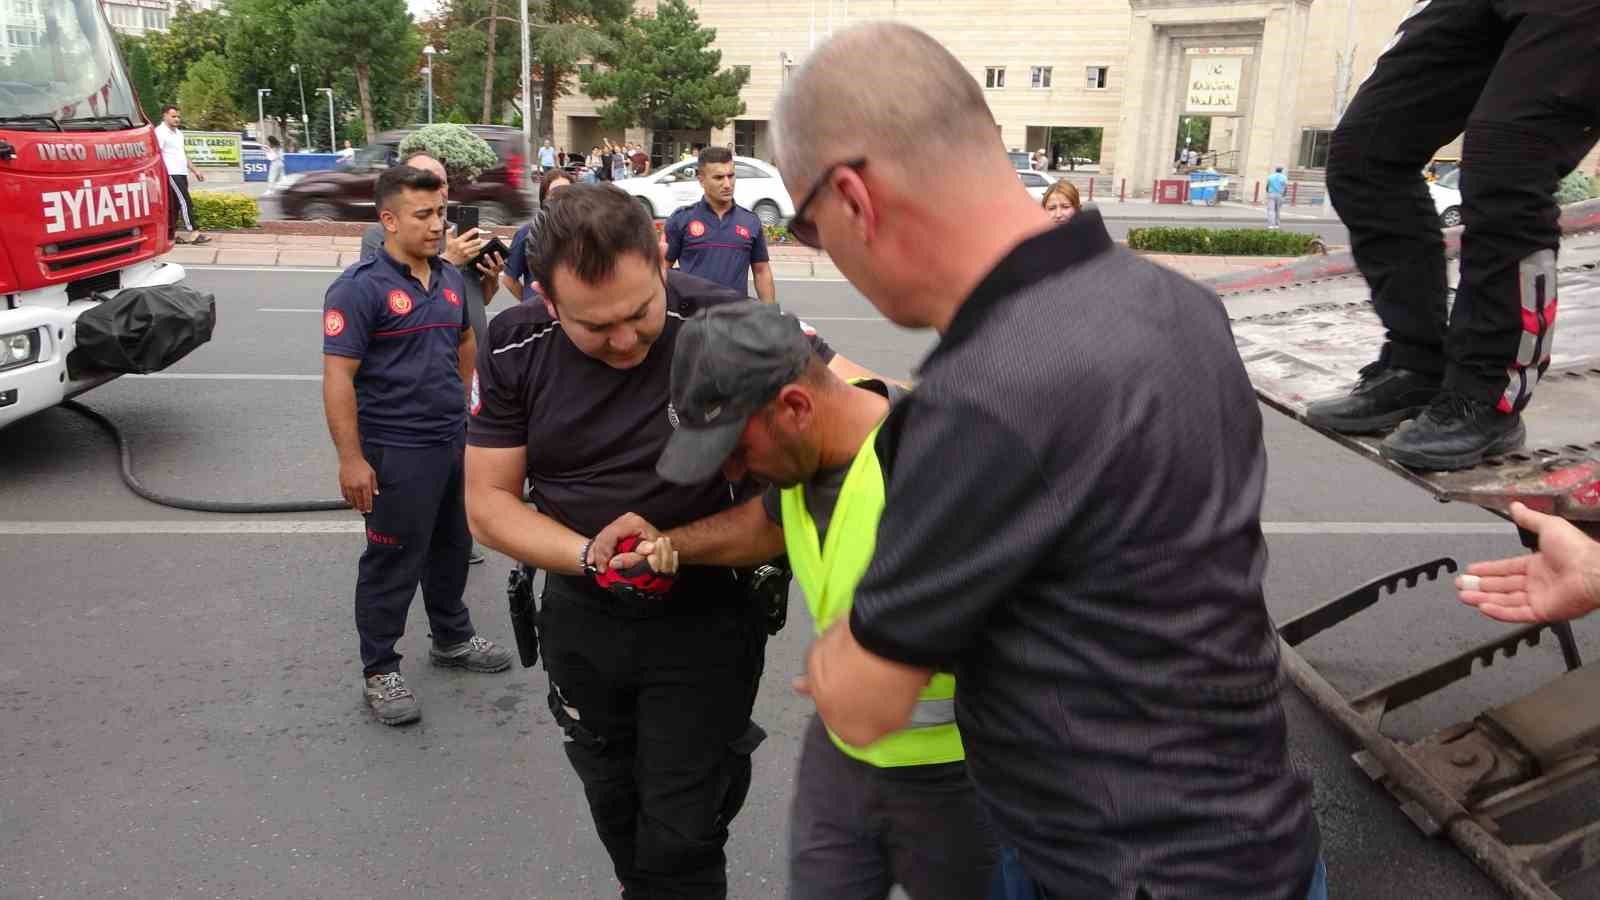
x=1464, y=780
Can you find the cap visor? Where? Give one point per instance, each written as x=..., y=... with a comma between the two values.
x=693, y=455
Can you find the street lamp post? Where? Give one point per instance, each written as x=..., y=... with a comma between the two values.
x=261, y=115
x=305, y=120
x=527, y=97
x=333, y=144
x=428, y=51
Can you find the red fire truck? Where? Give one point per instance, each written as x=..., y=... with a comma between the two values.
x=83, y=218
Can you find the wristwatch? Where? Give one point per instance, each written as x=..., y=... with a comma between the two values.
x=583, y=560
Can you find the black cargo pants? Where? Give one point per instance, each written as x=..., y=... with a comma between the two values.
x=1522, y=79
x=655, y=705
x=416, y=533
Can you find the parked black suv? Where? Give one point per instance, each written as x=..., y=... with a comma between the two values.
x=501, y=194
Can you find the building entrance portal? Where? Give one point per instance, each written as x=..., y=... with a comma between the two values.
x=1220, y=81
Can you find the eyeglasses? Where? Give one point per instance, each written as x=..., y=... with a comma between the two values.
x=805, y=230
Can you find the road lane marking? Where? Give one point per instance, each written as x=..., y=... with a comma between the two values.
x=221, y=376
x=180, y=526
x=336, y=526
x=1402, y=528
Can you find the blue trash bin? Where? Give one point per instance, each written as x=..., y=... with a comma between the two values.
x=1203, y=187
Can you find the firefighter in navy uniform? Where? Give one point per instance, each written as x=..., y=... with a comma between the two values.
x=717, y=239
x=396, y=341
x=651, y=680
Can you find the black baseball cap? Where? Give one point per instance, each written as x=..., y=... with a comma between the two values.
x=728, y=362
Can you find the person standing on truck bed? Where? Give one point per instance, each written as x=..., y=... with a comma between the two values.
x=397, y=348
x=179, y=207
x=1522, y=77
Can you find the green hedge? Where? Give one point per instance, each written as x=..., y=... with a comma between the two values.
x=777, y=234
x=1577, y=187
x=1221, y=241
x=213, y=210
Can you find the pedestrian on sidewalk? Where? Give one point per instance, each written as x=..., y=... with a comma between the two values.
x=547, y=156
x=1061, y=201
x=397, y=356
x=1466, y=370
x=180, y=209
x=1120, y=698
x=274, y=161
x=1277, y=187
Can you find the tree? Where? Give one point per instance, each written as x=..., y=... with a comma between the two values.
x=143, y=75
x=204, y=98
x=373, y=37
x=260, y=46
x=189, y=37
x=661, y=72
x=1076, y=144
x=568, y=33
x=479, y=76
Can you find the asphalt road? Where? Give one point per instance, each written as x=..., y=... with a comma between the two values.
x=180, y=705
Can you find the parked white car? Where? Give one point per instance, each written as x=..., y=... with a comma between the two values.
x=1036, y=182
x=756, y=187
x=1447, y=197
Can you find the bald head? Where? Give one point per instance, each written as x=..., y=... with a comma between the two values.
x=840, y=104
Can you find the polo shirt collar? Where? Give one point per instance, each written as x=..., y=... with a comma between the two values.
x=706, y=205
x=1035, y=259
x=403, y=269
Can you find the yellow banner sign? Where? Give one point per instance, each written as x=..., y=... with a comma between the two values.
x=1214, y=85
x=212, y=148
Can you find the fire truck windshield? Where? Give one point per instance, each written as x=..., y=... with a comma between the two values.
x=60, y=71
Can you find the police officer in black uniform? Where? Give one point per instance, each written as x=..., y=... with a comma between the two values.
x=652, y=681
x=395, y=343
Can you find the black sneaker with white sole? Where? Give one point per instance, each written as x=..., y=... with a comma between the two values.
x=1454, y=432
x=475, y=655
x=1382, y=399
x=391, y=701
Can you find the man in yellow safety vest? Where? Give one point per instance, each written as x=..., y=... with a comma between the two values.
x=749, y=397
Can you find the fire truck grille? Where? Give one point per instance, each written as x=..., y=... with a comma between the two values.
x=87, y=252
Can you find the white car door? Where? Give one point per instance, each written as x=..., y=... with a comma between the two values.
x=683, y=187
x=751, y=185
x=1035, y=183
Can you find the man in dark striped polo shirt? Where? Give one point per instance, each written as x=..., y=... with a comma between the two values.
x=1072, y=517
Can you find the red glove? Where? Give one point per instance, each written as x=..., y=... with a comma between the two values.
x=638, y=582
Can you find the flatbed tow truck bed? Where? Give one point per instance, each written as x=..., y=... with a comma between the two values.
x=1465, y=780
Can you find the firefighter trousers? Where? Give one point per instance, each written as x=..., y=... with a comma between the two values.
x=1521, y=78
x=416, y=534
x=655, y=707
